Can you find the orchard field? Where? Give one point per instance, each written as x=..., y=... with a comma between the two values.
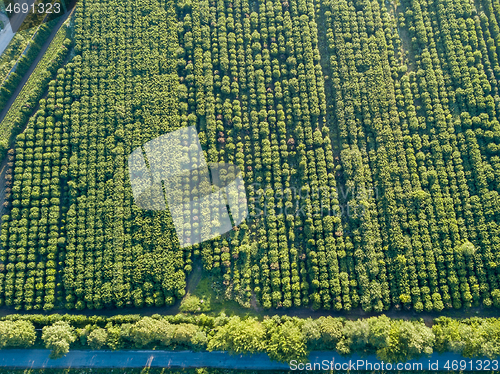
x=367, y=133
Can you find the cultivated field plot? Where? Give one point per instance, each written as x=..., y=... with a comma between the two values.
x=366, y=132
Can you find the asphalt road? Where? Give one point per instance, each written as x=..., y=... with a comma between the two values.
x=17, y=19
x=39, y=359
x=6, y=34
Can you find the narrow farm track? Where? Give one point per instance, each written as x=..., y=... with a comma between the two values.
x=331, y=123
x=354, y=314
x=3, y=169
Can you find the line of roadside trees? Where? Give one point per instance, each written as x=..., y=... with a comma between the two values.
x=282, y=338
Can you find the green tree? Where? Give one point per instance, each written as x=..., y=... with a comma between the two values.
x=193, y=304
x=58, y=338
x=312, y=333
x=239, y=336
x=380, y=328
x=285, y=341
x=97, y=338
x=408, y=340
x=467, y=248
x=188, y=334
x=447, y=332
x=490, y=333
x=17, y=334
x=471, y=338
x=355, y=337
x=331, y=331
x=148, y=330
x=115, y=340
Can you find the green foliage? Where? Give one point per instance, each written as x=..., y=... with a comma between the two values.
x=20, y=111
x=312, y=333
x=114, y=340
x=283, y=338
x=22, y=58
x=380, y=328
x=390, y=198
x=189, y=335
x=97, y=338
x=391, y=339
x=355, y=337
x=58, y=338
x=408, y=340
x=474, y=337
x=467, y=248
x=19, y=334
x=14, y=49
x=149, y=330
x=193, y=304
x=239, y=336
x=285, y=341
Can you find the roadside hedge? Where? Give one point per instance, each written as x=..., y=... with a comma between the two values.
x=282, y=338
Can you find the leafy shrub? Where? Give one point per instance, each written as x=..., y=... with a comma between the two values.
x=193, y=304
x=17, y=334
x=58, y=338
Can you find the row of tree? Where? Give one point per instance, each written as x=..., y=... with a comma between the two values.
x=31, y=236
x=73, y=225
x=253, y=77
x=400, y=209
x=454, y=79
x=254, y=88
x=420, y=132
x=282, y=338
